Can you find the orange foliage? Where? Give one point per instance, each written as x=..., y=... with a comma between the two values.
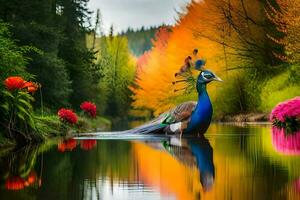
x=156, y=91
x=287, y=21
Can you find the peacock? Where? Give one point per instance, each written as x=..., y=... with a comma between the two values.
x=187, y=118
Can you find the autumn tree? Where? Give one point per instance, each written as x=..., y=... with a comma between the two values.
x=286, y=18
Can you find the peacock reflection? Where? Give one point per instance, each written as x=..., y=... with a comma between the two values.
x=179, y=167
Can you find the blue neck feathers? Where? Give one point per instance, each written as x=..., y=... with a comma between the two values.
x=201, y=116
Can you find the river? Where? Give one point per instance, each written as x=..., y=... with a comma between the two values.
x=229, y=162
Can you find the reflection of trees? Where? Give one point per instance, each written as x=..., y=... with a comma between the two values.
x=19, y=162
x=253, y=169
x=18, y=171
x=80, y=174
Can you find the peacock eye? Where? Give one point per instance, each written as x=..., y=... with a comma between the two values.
x=207, y=76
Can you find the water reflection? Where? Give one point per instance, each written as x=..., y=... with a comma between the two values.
x=195, y=152
x=176, y=167
x=286, y=143
x=229, y=163
x=203, y=152
x=17, y=168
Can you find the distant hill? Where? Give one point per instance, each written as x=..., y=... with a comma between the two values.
x=139, y=41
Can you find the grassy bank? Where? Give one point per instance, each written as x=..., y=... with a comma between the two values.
x=50, y=127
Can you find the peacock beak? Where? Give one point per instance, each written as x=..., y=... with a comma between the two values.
x=216, y=78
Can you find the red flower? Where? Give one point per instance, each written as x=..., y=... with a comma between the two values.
x=14, y=83
x=15, y=183
x=67, y=145
x=89, y=108
x=87, y=144
x=31, y=87
x=67, y=115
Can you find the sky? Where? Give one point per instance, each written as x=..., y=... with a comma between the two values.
x=136, y=13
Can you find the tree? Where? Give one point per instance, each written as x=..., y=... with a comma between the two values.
x=118, y=72
x=73, y=50
x=285, y=16
x=12, y=57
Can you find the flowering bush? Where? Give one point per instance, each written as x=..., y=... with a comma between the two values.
x=67, y=115
x=88, y=144
x=287, y=114
x=286, y=144
x=67, y=145
x=16, y=108
x=89, y=108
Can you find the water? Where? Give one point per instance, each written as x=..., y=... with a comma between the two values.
x=231, y=162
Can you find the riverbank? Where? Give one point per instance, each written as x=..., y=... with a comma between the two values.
x=244, y=117
x=50, y=127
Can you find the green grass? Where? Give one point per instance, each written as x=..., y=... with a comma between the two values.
x=280, y=88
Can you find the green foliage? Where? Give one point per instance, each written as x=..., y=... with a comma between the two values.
x=17, y=114
x=118, y=73
x=280, y=88
x=52, y=74
x=50, y=125
x=230, y=98
x=65, y=68
x=56, y=91
x=12, y=59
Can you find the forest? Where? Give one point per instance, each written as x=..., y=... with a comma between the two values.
x=44, y=43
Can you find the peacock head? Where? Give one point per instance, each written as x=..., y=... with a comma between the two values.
x=206, y=77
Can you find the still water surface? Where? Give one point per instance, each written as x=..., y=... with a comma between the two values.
x=230, y=162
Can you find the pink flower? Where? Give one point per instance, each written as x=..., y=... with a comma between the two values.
x=287, y=109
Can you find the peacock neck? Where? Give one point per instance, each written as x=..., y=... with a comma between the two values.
x=202, y=114
x=201, y=89
x=203, y=98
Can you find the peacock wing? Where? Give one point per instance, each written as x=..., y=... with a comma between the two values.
x=178, y=114
x=181, y=112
